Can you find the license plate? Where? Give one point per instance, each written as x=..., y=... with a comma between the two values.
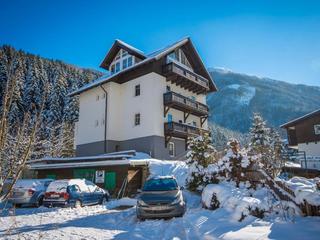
x=158, y=208
x=54, y=195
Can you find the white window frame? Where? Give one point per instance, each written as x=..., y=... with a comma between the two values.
x=119, y=59
x=173, y=149
x=316, y=129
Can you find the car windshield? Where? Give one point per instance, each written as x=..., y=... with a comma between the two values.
x=160, y=184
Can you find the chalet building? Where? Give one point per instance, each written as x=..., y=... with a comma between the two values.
x=304, y=135
x=148, y=102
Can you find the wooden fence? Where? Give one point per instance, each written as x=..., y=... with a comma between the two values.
x=284, y=193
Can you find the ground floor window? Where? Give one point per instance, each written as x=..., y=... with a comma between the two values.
x=171, y=149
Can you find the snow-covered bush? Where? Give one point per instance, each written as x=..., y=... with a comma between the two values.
x=200, y=155
x=238, y=200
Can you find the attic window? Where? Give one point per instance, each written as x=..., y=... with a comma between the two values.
x=122, y=61
x=178, y=55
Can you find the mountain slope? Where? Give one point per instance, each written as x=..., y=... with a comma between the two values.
x=240, y=95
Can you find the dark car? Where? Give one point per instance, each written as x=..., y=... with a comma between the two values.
x=161, y=197
x=74, y=193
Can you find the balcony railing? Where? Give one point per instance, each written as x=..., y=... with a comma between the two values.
x=181, y=130
x=192, y=81
x=182, y=103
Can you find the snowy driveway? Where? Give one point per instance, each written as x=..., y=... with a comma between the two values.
x=102, y=222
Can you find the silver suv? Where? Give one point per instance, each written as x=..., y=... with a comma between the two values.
x=29, y=192
x=161, y=197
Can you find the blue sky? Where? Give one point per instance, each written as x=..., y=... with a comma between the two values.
x=277, y=39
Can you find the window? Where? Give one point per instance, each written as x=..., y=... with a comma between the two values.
x=171, y=149
x=112, y=69
x=124, y=53
x=178, y=55
x=180, y=121
x=194, y=123
x=117, y=66
x=125, y=63
x=169, y=118
x=118, y=56
x=97, y=98
x=168, y=88
x=122, y=61
x=317, y=129
x=137, y=90
x=129, y=61
x=137, y=119
x=193, y=98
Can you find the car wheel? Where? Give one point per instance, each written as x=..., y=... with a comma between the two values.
x=39, y=202
x=78, y=204
x=103, y=201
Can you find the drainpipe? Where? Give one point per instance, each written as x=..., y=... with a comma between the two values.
x=105, y=119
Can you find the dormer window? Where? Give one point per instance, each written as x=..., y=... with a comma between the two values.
x=178, y=56
x=122, y=61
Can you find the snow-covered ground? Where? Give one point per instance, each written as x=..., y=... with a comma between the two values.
x=110, y=222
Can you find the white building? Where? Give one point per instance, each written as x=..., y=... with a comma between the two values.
x=148, y=102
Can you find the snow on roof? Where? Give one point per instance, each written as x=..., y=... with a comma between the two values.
x=130, y=47
x=79, y=164
x=294, y=121
x=106, y=78
x=152, y=56
x=73, y=159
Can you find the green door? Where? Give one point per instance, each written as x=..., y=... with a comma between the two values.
x=88, y=174
x=110, y=180
x=51, y=176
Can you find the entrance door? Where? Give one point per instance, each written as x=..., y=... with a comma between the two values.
x=88, y=174
x=110, y=180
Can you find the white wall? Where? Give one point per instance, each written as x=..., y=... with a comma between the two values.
x=311, y=149
x=122, y=107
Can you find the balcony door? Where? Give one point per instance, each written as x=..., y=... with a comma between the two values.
x=169, y=118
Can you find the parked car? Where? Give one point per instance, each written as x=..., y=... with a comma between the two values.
x=161, y=197
x=74, y=193
x=28, y=192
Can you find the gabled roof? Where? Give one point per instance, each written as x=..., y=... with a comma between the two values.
x=300, y=119
x=185, y=44
x=117, y=45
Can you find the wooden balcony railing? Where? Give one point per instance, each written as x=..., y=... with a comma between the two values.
x=185, y=104
x=181, y=130
x=186, y=78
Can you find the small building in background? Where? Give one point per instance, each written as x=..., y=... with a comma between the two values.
x=304, y=135
x=120, y=173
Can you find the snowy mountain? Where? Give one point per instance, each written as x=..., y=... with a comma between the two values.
x=240, y=95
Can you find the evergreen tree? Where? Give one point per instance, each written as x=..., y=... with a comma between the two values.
x=200, y=155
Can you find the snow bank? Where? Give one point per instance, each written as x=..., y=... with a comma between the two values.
x=305, y=189
x=126, y=202
x=238, y=201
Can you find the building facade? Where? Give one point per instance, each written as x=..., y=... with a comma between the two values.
x=148, y=103
x=304, y=135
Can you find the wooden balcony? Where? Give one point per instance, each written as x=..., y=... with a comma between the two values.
x=185, y=78
x=180, y=130
x=185, y=104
